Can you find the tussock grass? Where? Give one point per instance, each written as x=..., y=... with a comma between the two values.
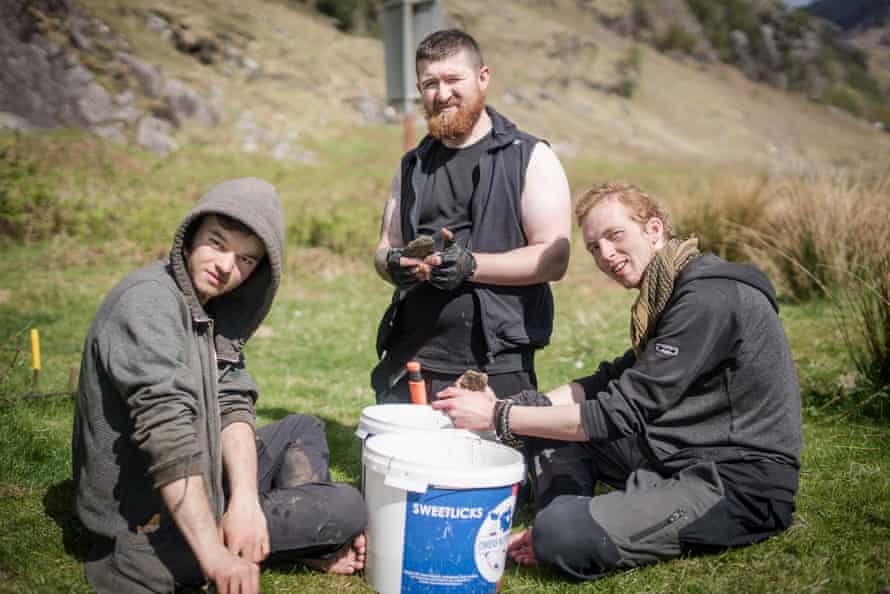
x=823, y=235
x=808, y=231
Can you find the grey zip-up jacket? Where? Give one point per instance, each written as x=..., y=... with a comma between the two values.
x=715, y=382
x=161, y=376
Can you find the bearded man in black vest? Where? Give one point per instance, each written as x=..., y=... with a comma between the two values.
x=496, y=201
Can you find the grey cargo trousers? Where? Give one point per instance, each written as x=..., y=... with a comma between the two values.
x=308, y=517
x=648, y=517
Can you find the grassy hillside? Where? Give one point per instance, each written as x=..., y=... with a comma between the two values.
x=555, y=67
x=757, y=174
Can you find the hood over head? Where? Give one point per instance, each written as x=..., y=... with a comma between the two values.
x=710, y=266
x=236, y=314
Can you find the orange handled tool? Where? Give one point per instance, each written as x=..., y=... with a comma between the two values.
x=416, y=385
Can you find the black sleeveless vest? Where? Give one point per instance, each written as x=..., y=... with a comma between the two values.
x=511, y=316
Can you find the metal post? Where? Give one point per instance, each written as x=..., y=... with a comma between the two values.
x=407, y=65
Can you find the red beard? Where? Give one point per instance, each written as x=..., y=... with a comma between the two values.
x=455, y=125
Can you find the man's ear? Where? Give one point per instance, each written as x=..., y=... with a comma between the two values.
x=484, y=77
x=655, y=230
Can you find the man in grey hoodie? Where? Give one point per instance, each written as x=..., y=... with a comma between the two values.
x=173, y=481
x=697, y=427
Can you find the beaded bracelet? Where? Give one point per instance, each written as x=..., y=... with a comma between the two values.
x=501, y=423
x=496, y=417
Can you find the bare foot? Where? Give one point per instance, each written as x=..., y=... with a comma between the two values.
x=519, y=548
x=348, y=560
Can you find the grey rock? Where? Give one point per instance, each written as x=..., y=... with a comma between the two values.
x=287, y=151
x=741, y=49
x=154, y=135
x=390, y=115
x=125, y=99
x=281, y=146
x=96, y=105
x=251, y=68
x=185, y=103
x=371, y=110
x=217, y=101
x=40, y=83
x=773, y=54
x=10, y=121
x=115, y=132
x=128, y=114
x=79, y=33
x=159, y=25
x=149, y=77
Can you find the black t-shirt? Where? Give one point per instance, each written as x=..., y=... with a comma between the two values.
x=441, y=329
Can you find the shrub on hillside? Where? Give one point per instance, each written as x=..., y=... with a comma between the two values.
x=676, y=38
x=352, y=15
x=33, y=206
x=627, y=69
x=27, y=203
x=846, y=99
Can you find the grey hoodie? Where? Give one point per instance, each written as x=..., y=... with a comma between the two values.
x=716, y=381
x=161, y=376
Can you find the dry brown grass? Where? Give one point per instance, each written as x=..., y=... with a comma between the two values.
x=824, y=235
x=810, y=233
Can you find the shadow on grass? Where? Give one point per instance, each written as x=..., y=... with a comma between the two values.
x=58, y=503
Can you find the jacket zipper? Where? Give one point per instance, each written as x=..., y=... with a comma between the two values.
x=675, y=516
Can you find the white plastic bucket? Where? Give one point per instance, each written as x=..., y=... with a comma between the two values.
x=396, y=418
x=440, y=508
x=393, y=418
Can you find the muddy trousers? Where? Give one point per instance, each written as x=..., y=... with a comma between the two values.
x=648, y=517
x=308, y=517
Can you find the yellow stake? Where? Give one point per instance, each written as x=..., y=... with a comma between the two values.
x=35, y=356
x=35, y=349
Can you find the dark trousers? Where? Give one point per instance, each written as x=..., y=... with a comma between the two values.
x=308, y=517
x=648, y=517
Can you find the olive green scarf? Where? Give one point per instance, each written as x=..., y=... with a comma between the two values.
x=656, y=287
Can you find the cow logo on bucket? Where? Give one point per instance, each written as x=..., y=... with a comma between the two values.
x=455, y=540
x=491, y=540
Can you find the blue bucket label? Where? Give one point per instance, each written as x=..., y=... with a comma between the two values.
x=456, y=540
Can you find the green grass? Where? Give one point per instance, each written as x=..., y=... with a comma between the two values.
x=317, y=348
x=315, y=357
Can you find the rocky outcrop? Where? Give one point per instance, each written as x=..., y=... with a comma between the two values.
x=785, y=48
x=41, y=82
x=53, y=60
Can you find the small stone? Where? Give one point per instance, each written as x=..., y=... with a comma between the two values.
x=473, y=380
x=420, y=247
